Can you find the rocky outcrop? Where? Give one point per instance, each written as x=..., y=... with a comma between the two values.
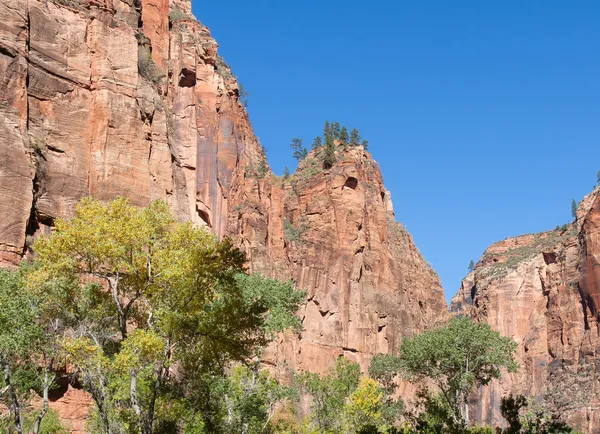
x=542, y=290
x=129, y=97
x=333, y=232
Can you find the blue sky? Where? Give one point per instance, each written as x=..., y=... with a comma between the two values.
x=484, y=116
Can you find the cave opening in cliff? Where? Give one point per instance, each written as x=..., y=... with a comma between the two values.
x=187, y=78
x=351, y=182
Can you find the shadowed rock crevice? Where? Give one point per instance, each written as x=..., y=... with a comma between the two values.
x=351, y=182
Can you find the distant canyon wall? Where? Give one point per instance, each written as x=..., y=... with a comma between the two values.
x=543, y=290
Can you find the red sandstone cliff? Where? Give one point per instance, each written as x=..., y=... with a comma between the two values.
x=543, y=290
x=113, y=97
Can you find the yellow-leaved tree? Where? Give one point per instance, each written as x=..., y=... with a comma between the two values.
x=149, y=301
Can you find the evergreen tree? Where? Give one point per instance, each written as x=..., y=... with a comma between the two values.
x=335, y=130
x=329, y=157
x=471, y=265
x=327, y=131
x=354, y=137
x=317, y=142
x=300, y=151
x=598, y=177
x=344, y=137
x=286, y=173
x=365, y=144
x=574, y=209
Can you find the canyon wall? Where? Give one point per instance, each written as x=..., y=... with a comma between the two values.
x=129, y=97
x=543, y=291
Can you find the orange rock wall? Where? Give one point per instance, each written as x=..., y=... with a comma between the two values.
x=542, y=290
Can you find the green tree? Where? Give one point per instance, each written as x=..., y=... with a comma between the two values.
x=344, y=137
x=317, y=143
x=329, y=154
x=329, y=394
x=524, y=417
x=335, y=130
x=471, y=265
x=457, y=357
x=286, y=173
x=300, y=151
x=365, y=144
x=28, y=349
x=384, y=369
x=175, y=296
x=250, y=398
x=574, y=209
x=598, y=177
x=243, y=95
x=354, y=137
x=327, y=131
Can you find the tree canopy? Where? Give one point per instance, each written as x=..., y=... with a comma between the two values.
x=153, y=302
x=457, y=357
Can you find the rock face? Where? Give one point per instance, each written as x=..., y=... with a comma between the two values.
x=543, y=291
x=129, y=97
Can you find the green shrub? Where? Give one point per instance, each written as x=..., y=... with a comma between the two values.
x=291, y=232
x=146, y=66
x=176, y=13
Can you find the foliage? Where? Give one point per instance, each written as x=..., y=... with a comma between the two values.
x=384, y=368
x=176, y=13
x=146, y=66
x=457, y=357
x=335, y=130
x=317, y=143
x=329, y=154
x=471, y=265
x=365, y=404
x=574, y=209
x=365, y=144
x=523, y=417
x=28, y=348
x=286, y=173
x=50, y=424
x=251, y=396
x=598, y=177
x=432, y=415
x=243, y=94
x=167, y=295
x=223, y=68
x=344, y=137
x=354, y=137
x=329, y=394
x=291, y=232
x=300, y=151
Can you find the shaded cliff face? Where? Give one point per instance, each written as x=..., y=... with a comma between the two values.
x=542, y=290
x=113, y=97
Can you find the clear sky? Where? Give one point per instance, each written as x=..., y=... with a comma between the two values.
x=483, y=115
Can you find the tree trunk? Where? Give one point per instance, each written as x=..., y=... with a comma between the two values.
x=114, y=289
x=38, y=421
x=103, y=415
x=15, y=406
